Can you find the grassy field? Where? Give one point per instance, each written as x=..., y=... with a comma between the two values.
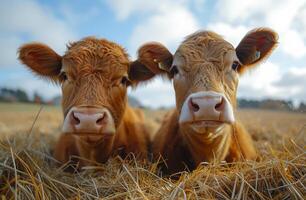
x=28, y=171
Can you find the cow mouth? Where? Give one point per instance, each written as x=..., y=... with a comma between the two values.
x=207, y=123
x=106, y=134
x=93, y=138
x=207, y=126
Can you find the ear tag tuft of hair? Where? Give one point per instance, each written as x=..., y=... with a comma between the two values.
x=162, y=66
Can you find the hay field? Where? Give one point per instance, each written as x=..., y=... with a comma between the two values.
x=28, y=171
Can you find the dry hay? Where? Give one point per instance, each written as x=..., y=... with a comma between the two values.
x=28, y=171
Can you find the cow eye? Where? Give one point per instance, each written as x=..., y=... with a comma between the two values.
x=63, y=76
x=124, y=81
x=174, y=70
x=235, y=65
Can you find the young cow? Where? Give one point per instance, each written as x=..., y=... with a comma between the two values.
x=205, y=70
x=94, y=75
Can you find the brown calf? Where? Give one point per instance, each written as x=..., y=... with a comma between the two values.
x=94, y=75
x=205, y=71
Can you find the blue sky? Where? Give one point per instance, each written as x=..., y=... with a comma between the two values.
x=134, y=22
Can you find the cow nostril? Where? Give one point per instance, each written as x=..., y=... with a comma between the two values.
x=75, y=119
x=219, y=106
x=194, y=107
x=100, y=121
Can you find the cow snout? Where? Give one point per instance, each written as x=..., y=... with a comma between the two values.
x=207, y=106
x=82, y=121
x=88, y=120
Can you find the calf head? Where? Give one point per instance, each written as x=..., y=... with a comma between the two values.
x=205, y=70
x=94, y=75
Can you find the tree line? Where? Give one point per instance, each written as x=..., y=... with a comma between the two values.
x=19, y=95
x=272, y=104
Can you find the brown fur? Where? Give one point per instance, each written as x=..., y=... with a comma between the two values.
x=93, y=73
x=205, y=61
x=182, y=153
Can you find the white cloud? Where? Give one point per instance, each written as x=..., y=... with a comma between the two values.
x=28, y=19
x=293, y=44
x=229, y=33
x=300, y=21
x=239, y=11
x=167, y=21
x=8, y=50
x=292, y=83
x=259, y=82
x=269, y=11
x=280, y=15
x=125, y=8
x=166, y=27
x=270, y=81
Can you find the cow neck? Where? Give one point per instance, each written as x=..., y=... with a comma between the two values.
x=206, y=147
x=99, y=153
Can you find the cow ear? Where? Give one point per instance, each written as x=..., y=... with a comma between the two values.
x=139, y=72
x=255, y=47
x=41, y=59
x=153, y=59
